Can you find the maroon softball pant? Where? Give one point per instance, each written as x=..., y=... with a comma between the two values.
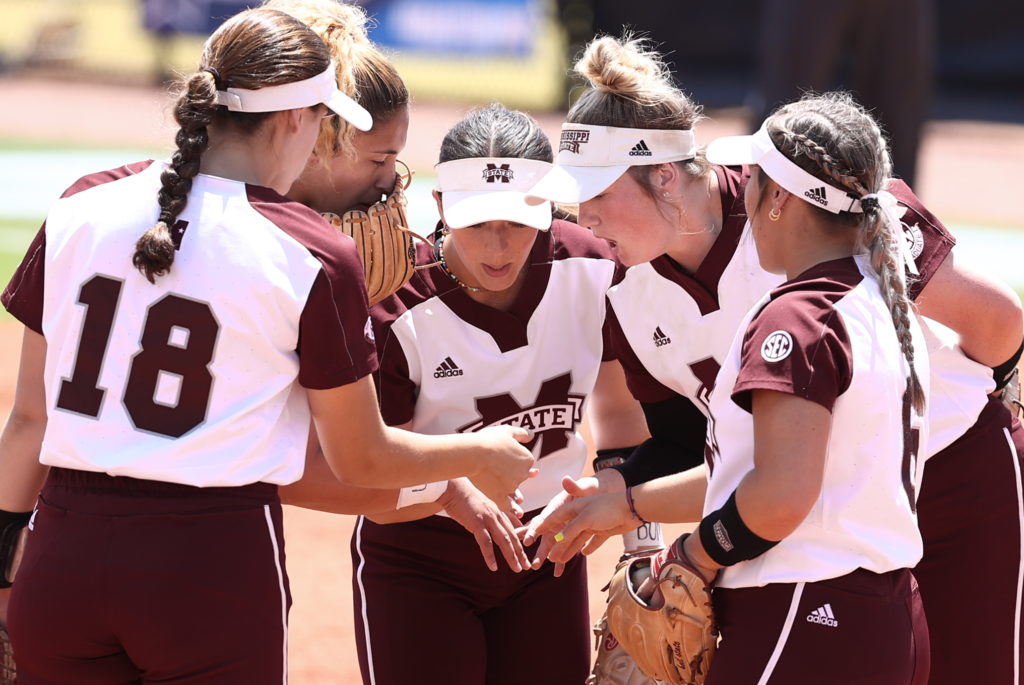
x=970, y=511
x=863, y=628
x=428, y=611
x=136, y=581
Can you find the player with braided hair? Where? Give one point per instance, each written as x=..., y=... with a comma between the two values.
x=815, y=427
x=167, y=384
x=683, y=251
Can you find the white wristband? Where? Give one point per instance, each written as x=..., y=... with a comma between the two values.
x=420, y=494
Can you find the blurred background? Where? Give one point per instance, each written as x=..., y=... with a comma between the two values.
x=86, y=85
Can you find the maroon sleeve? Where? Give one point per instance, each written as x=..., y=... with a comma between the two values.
x=930, y=241
x=643, y=386
x=611, y=327
x=23, y=297
x=396, y=392
x=335, y=338
x=797, y=345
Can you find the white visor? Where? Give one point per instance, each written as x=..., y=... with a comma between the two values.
x=760, y=150
x=482, y=189
x=591, y=158
x=322, y=88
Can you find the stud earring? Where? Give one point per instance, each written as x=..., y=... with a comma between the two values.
x=775, y=214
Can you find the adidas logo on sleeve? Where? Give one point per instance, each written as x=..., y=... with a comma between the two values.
x=640, y=150
x=824, y=616
x=817, y=195
x=447, y=369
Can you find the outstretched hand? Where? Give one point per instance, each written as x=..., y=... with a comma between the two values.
x=580, y=521
x=491, y=526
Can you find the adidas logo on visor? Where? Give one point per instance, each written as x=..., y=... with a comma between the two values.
x=447, y=369
x=640, y=150
x=818, y=195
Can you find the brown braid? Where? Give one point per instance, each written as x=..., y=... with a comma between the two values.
x=838, y=119
x=251, y=50
x=154, y=251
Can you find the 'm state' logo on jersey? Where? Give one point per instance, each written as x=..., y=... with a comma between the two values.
x=553, y=417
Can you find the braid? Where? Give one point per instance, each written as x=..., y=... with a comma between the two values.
x=825, y=161
x=154, y=251
x=882, y=248
x=836, y=118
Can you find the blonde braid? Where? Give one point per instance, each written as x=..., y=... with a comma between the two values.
x=879, y=237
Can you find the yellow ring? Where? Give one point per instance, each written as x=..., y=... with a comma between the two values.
x=559, y=537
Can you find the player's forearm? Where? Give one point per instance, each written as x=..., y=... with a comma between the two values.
x=23, y=475
x=336, y=497
x=410, y=513
x=678, y=498
x=985, y=312
x=401, y=458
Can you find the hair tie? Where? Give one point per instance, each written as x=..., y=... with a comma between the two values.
x=870, y=202
x=216, y=76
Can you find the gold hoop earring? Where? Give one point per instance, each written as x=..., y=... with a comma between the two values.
x=775, y=214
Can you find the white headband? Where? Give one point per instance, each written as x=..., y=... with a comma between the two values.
x=322, y=88
x=480, y=189
x=760, y=150
x=591, y=158
x=590, y=146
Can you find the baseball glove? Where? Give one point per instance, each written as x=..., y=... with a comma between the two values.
x=7, y=671
x=672, y=638
x=613, y=665
x=384, y=240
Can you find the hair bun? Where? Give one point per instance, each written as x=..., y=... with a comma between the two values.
x=626, y=67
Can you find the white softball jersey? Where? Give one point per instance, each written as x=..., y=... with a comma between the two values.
x=678, y=344
x=450, y=364
x=827, y=336
x=678, y=326
x=959, y=385
x=198, y=378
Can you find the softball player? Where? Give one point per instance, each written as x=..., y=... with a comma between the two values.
x=352, y=169
x=710, y=273
x=506, y=329
x=167, y=383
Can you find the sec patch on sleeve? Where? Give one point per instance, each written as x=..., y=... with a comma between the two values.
x=777, y=346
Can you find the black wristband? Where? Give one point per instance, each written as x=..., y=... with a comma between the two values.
x=1004, y=371
x=611, y=457
x=727, y=539
x=11, y=524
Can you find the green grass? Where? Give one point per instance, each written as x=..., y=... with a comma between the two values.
x=22, y=144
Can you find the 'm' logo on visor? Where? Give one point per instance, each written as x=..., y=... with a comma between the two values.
x=500, y=172
x=572, y=139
